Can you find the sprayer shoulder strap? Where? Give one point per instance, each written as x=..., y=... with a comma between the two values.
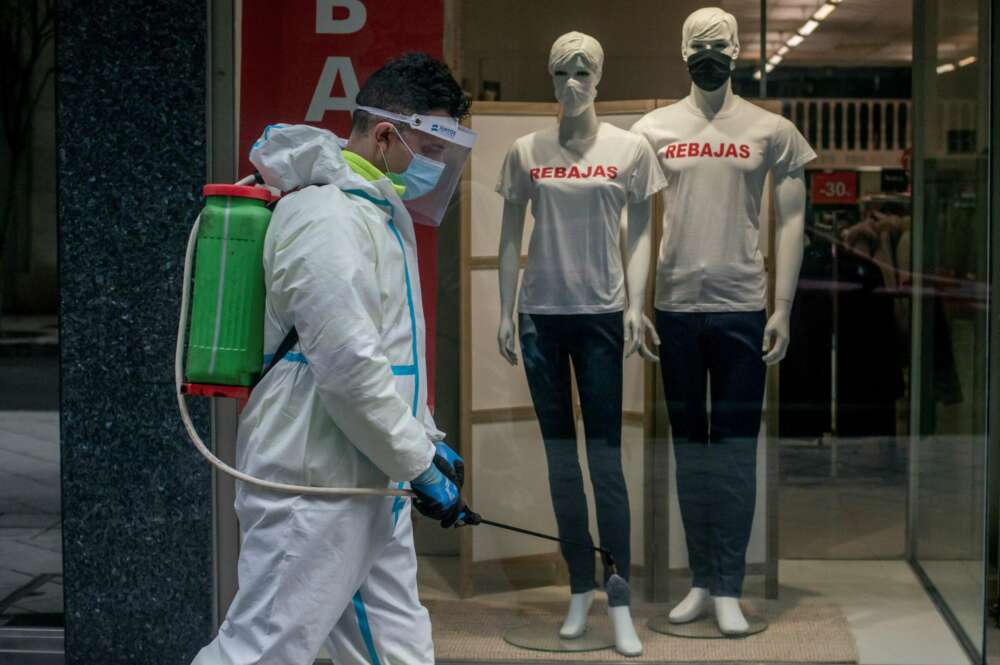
x=291, y=339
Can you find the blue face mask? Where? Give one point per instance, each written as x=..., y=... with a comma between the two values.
x=420, y=177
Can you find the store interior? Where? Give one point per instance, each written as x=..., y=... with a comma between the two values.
x=869, y=524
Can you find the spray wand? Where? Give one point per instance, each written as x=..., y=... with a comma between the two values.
x=616, y=587
x=472, y=519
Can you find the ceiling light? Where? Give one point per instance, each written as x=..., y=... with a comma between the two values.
x=964, y=62
x=756, y=75
x=824, y=11
x=944, y=69
x=769, y=68
x=808, y=28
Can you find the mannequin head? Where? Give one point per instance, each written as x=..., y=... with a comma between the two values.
x=710, y=44
x=576, y=62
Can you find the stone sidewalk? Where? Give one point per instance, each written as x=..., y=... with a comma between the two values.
x=30, y=516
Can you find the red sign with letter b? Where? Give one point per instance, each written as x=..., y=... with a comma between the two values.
x=303, y=63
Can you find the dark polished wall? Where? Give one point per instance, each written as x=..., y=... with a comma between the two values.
x=131, y=113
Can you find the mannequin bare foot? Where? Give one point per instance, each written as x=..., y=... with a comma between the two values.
x=730, y=617
x=692, y=607
x=576, y=617
x=626, y=640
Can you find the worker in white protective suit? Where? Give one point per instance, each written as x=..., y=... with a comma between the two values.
x=346, y=406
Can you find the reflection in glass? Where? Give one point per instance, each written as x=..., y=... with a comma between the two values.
x=951, y=237
x=30, y=511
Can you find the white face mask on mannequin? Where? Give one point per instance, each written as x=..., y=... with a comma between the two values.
x=575, y=63
x=575, y=87
x=710, y=45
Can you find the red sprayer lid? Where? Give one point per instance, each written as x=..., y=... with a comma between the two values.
x=210, y=390
x=241, y=191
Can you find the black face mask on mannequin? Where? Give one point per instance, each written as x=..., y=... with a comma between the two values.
x=709, y=68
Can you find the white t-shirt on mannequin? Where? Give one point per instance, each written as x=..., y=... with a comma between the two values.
x=577, y=193
x=710, y=259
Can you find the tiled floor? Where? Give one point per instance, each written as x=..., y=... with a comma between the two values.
x=30, y=521
x=893, y=620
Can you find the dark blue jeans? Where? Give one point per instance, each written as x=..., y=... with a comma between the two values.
x=716, y=456
x=594, y=344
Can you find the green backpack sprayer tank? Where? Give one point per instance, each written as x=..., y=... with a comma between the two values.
x=226, y=340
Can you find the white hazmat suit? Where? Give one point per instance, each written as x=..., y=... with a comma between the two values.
x=347, y=407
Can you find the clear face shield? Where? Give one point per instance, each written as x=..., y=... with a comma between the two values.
x=445, y=142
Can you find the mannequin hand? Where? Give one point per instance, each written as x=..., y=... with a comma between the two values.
x=649, y=329
x=633, y=330
x=637, y=326
x=776, y=336
x=506, y=340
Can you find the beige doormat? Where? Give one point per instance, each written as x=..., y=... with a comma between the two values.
x=472, y=631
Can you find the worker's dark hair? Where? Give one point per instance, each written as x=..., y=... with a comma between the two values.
x=411, y=83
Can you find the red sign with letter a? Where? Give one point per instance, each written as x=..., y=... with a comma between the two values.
x=303, y=62
x=834, y=188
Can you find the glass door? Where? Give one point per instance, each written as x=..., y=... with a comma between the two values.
x=951, y=239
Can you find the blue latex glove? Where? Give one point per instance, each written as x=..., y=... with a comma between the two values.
x=438, y=496
x=454, y=460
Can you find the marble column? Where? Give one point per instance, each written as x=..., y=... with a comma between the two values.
x=131, y=95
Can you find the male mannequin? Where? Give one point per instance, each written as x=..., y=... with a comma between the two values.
x=579, y=304
x=716, y=150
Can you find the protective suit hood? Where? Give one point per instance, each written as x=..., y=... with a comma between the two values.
x=290, y=157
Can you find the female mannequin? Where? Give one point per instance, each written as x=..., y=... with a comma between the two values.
x=716, y=151
x=579, y=304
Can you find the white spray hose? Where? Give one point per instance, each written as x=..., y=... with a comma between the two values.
x=193, y=433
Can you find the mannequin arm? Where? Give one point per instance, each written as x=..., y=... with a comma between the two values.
x=636, y=258
x=511, y=237
x=790, y=212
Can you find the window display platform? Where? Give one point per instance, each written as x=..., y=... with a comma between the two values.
x=808, y=632
x=544, y=636
x=871, y=612
x=805, y=631
x=706, y=628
